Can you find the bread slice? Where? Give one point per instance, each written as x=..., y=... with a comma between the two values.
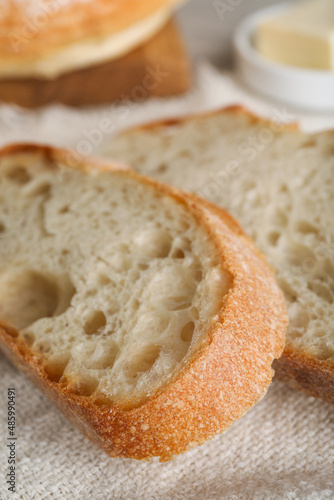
x=279, y=184
x=144, y=313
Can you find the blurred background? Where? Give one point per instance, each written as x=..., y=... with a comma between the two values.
x=208, y=26
x=198, y=58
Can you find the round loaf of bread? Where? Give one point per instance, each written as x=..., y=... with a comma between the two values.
x=144, y=313
x=48, y=38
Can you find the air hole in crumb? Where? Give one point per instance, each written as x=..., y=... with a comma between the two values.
x=44, y=347
x=103, y=280
x=187, y=331
x=19, y=175
x=143, y=360
x=26, y=296
x=135, y=304
x=161, y=168
x=64, y=210
x=29, y=338
x=322, y=291
x=289, y=292
x=109, y=361
x=310, y=143
x=95, y=323
x=273, y=238
x=55, y=367
x=198, y=274
x=305, y=227
x=85, y=387
x=2, y=227
x=40, y=189
x=102, y=400
x=178, y=254
x=143, y=266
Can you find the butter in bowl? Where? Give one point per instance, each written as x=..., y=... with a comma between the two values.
x=286, y=52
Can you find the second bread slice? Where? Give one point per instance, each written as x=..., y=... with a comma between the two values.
x=278, y=182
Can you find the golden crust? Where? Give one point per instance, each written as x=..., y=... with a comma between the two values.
x=30, y=29
x=226, y=375
x=297, y=368
x=233, y=109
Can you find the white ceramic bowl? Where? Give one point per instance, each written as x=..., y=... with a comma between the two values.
x=304, y=88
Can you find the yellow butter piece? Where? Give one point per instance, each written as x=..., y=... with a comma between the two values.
x=303, y=36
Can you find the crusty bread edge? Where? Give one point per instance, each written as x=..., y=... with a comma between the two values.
x=297, y=368
x=76, y=23
x=65, y=156
x=234, y=108
x=203, y=399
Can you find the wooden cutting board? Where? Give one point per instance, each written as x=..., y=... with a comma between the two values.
x=160, y=67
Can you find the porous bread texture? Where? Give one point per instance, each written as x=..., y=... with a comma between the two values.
x=203, y=317
x=110, y=281
x=279, y=183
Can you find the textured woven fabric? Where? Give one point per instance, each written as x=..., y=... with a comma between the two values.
x=282, y=448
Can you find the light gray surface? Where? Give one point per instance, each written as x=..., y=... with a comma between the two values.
x=208, y=26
